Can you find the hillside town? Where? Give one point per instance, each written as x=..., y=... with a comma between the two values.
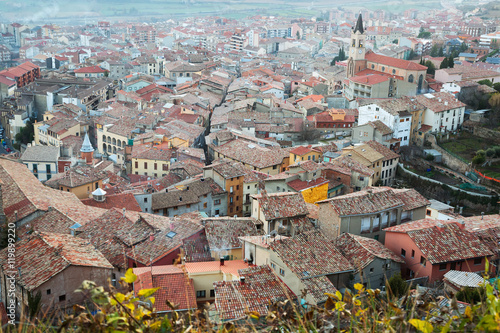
x=236, y=163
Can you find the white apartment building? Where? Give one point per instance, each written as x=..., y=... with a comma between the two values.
x=443, y=112
x=393, y=113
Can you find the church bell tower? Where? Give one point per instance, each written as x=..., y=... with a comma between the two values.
x=357, y=61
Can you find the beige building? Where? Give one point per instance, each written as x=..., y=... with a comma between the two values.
x=368, y=212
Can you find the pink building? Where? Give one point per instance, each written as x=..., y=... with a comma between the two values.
x=432, y=248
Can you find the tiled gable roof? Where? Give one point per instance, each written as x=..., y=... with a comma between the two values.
x=311, y=254
x=393, y=62
x=184, y=193
x=44, y=255
x=23, y=195
x=383, y=150
x=175, y=286
x=122, y=200
x=365, y=202
x=252, y=154
x=361, y=251
x=223, y=233
x=449, y=243
x=233, y=300
x=411, y=198
x=282, y=205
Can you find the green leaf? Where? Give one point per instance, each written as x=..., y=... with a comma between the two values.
x=130, y=277
x=422, y=325
x=147, y=292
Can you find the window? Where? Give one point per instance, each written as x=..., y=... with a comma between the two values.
x=428, y=212
x=156, y=166
x=442, y=267
x=189, y=205
x=478, y=261
x=204, y=205
x=231, y=189
x=274, y=167
x=145, y=165
x=145, y=199
x=62, y=298
x=212, y=293
x=273, y=265
x=231, y=200
x=393, y=71
x=371, y=270
x=282, y=272
x=237, y=187
x=413, y=253
x=453, y=266
x=200, y=294
x=422, y=261
x=410, y=78
x=248, y=187
x=47, y=167
x=383, y=68
x=48, y=291
x=403, y=253
x=217, y=202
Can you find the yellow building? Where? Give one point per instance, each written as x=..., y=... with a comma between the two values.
x=302, y=153
x=367, y=156
x=150, y=160
x=81, y=180
x=316, y=192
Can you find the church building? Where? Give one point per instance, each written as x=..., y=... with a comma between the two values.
x=371, y=75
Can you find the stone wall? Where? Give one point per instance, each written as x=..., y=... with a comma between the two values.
x=449, y=160
x=486, y=133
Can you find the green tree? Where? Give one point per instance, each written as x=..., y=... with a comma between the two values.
x=444, y=63
x=396, y=41
x=451, y=61
x=463, y=47
x=496, y=86
x=431, y=69
x=424, y=34
x=497, y=151
x=471, y=295
x=478, y=159
x=441, y=52
x=480, y=152
x=26, y=134
x=434, y=51
x=486, y=82
x=298, y=34
x=397, y=286
x=34, y=303
x=340, y=57
x=412, y=55
x=490, y=152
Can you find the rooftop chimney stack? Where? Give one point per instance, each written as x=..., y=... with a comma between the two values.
x=222, y=261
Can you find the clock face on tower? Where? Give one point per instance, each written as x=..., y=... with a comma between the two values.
x=360, y=51
x=352, y=51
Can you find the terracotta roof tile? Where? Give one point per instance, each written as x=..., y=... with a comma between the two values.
x=443, y=242
x=223, y=233
x=233, y=300
x=44, y=255
x=361, y=251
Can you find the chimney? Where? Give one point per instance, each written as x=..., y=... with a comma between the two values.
x=123, y=211
x=440, y=226
x=242, y=280
x=222, y=261
x=482, y=215
x=151, y=237
x=461, y=224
